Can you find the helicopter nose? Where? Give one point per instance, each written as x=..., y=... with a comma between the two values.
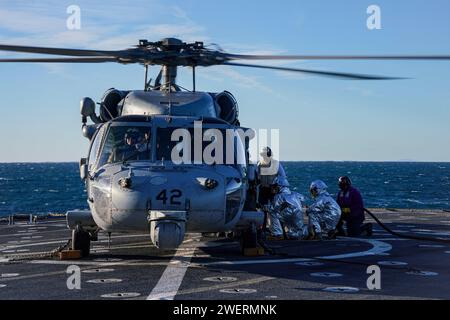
x=174, y=201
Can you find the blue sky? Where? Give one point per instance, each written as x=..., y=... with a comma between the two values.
x=318, y=118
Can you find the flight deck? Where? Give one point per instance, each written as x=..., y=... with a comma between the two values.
x=130, y=267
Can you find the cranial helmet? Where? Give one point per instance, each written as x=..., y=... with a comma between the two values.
x=317, y=187
x=344, y=182
x=132, y=133
x=266, y=152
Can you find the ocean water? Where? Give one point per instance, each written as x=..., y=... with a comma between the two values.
x=412, y=185
x=42, y=188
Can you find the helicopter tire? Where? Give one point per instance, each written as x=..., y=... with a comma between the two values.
x=81, y=240
x=249, y=238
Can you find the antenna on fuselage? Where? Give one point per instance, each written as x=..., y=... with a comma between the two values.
x=193, y=78
x=146, y=82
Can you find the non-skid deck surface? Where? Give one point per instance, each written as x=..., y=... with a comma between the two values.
x=209, y=268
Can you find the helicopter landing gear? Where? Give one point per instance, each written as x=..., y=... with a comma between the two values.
x=249, y=242
x=81, y=240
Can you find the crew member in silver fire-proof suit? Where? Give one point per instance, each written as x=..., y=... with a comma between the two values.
x=323, y=214
x=269, y=170
x=286, y=210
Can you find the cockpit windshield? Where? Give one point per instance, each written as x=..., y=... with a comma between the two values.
x=211, y=146
x=207, y=146
x=126, y=143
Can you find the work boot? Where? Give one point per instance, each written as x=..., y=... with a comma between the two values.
x=313, y=235
x=332, y=234
x=271, y=237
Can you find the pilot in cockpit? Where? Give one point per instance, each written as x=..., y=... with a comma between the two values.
x=144, y=144
x=136, y=147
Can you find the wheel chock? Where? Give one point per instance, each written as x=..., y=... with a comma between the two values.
x=253, y=252
x=69, y=254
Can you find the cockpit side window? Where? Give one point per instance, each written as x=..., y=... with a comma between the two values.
x=126, y=143
x=95, y=148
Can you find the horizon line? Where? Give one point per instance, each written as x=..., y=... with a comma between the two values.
x=360, y=161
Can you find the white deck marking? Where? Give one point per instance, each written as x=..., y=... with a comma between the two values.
x=392, y=263
x=379, y=248
x=138, y=263
x=431, y=246
x=36, y=275
x=32, y=233
x=263, y=261
x=15, y=246
x=54, y=273
x=70, y=262
x=97, y=270
x=218, y=287
x=341, y=289
x=121, y=295
x=238, y=291
x=56, y=241
x=144, y=235
x=326, y=274
x=422, y=273
x=170, y=281
x=391, y=239
x=434, y=233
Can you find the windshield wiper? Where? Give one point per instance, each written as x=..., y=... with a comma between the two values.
x=134, y=154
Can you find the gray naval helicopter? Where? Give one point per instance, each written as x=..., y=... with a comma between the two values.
x=133, y=183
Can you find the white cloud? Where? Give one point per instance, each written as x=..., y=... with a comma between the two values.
x=28, y=22
x=45, y=24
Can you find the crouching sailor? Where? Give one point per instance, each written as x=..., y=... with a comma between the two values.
x=352, y=206
x=286, y=210
x=324, y=213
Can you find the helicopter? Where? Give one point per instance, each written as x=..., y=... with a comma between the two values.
x=139, y=178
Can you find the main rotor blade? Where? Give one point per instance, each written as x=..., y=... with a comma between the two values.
x=336, y=57
x=342, y=75
x=58, y=51
x=67, y=60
